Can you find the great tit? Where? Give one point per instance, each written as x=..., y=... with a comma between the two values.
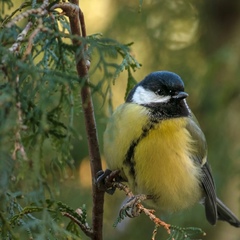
x=156, y=143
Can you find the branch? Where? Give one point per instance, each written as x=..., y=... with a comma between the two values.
x=31, y=38
x=18, y=146
x=141, y=208
x=20, y=38
x=135, y=207
x=78, y=28
x=39, y=11
x=84, y=228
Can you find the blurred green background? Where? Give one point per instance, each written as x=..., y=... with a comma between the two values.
x=199, y=41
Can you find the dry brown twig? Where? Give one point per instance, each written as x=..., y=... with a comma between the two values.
x=86, y=229
x=20, y=38
x=39, y=28
x=154, y=232
x=39, y=11
x=18, y=146
x=141, y=208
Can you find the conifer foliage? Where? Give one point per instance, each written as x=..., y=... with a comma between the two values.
x=43, y=45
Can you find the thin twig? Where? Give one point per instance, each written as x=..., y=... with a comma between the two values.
x=20, y=38
x=18, y=146
x=154, y=232
x=18, y=142
x=84, y=228
x=141, y=208
x=153, y=218
x=39, y=11
x=31, y=38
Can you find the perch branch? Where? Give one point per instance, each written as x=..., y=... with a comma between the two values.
x=76, y=18
x=141, y=208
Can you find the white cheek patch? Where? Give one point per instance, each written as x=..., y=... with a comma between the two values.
x=143, y=96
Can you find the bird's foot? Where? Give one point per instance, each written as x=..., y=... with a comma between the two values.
x=105, y=179
x=132, y=207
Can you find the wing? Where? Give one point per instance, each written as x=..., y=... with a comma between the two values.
x=200, y=157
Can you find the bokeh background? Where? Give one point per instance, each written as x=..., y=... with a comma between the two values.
x=199, y=40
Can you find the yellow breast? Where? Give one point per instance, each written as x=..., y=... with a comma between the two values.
x=161, y=159
x=164, y=168
x=123, y=127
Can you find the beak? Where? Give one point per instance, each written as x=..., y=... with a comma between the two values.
x=180, y=95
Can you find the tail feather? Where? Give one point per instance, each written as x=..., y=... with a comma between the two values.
x=225, y=214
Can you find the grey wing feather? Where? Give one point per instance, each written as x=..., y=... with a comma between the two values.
x=214, y=208
x=207, y=182
x=225, y=214
x=210, y=201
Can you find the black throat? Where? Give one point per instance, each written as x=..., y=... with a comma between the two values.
x=173, y=109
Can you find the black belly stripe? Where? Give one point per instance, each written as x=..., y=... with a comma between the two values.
x=129, y=157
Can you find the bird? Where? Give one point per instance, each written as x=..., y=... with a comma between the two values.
x=155, y=142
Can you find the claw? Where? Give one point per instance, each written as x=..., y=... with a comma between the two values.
x=131, y=208
x=101, y=175
x=104, y=180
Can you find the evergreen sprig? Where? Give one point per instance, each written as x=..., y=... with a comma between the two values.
x=189, y=233
x=39, y=100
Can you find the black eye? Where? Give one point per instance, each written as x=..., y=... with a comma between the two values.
x=159, y=92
